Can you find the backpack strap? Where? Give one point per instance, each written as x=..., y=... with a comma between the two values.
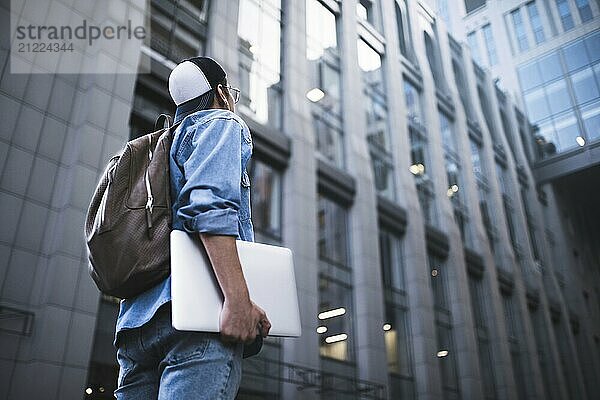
x=160, y=122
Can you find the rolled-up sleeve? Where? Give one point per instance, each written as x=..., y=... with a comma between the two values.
x=210, y=196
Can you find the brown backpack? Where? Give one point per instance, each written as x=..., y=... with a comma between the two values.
x=129, y=220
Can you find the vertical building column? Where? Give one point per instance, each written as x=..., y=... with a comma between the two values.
x=363, y=233
x=222, y=38
x=420, y=313
x=299, y=217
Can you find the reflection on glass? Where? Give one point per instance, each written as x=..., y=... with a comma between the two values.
x=320, y=30
x=565, y=14
x=537, y=106
x=536, y=22
x=519, y=27
x=331, y=219
x=476, y=159
x=567, y=131
x=585, y=12
x=397, y=341
x=392, y=262
x=550, y=67
x=259, y=32
x=529, y=76
x=413, y=102
x=265, y=198
x=591, y=120
x=448, y=139
x=592, y=44
x=329, y=141
x=584, y=86
x=491, y=46
x=558, y=96
x=576, y=56
x=370, y=64
x=474, y=45
x=336, y=339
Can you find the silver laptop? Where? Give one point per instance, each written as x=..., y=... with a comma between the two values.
x=197, y=298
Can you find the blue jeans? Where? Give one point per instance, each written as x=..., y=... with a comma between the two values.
x=159, y=362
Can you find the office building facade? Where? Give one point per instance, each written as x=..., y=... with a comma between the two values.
x=427, y=258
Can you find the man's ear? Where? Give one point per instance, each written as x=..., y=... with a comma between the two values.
x=222, y=97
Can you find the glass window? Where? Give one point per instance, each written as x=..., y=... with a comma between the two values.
x=529, y=76
x=332, y=224
x=462, y=86
x=365, y=11
x=335, y=319
x=520, y=33
x=591, y=120
x=546, y=140
x=584, y=85
x=537, y=105
x=431, y=52
x=565, y=14
x=402, y=28
x=567, y=131
x=592, y=43
x=329, y=140
x=418, y=152
x=397, y=340
x=576, y=56
x=392, y=261
x=321, y=34
x=471, y=5
x=558, y=96
x=550, y=67
x=439, y=283
x=377, y=125
x=447, y=360
x=259, y=33
x=585, y=12
x=474, y=45
x=446, y=127
x=369, y=62
x=476, y=159
x=490, y=45
x=413, y=101
x=536, y=22
x=265, y=199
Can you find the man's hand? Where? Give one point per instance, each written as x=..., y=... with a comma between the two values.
x=240, y=320
x=240, y=317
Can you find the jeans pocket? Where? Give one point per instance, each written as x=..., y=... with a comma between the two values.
x=126, y=363
x=188, y=345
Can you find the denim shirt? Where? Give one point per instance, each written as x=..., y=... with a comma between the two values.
x=210, y=192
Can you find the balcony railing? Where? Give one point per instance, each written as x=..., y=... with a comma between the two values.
x=327, y=383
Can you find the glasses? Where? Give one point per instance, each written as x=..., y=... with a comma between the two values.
x=235, y=94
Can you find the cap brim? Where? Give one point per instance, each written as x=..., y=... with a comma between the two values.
x=191, y=106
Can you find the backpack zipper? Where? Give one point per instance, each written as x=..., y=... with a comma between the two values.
x=150, y=201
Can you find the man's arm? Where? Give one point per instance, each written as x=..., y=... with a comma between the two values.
x=211, y=200
x=223, y=255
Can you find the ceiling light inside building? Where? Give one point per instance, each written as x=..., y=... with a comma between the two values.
x=332, y=313
x=321, y=329
x=336, y=338
x=442, y=353
x=387, y=327
x=434, y=272
x=315, y=94
x=88, y=391
x=580, y=141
